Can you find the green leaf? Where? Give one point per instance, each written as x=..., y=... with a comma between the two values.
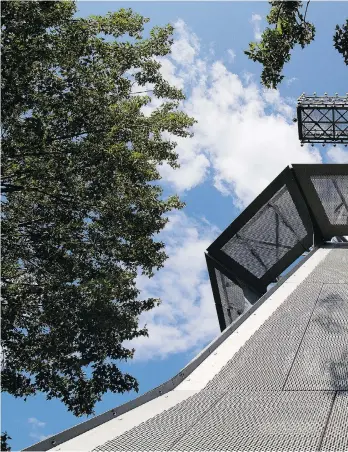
x=274, y=49
x=81, y=211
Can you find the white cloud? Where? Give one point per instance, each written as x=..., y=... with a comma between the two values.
x=212, y=49
x=244, y=136
x=255, y=20
x=186, y=319
x=291, y=80
x=243, y=139
x=186, y=46
x=337, y=155
x=36, y=423
x=273, y=98
x=168, y=70
x=193, y=167
x=247, y=77
x=231, y=54
x=37, y=436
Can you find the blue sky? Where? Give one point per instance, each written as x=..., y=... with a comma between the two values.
x=243, y=139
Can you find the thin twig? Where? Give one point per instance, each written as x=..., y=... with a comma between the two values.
x=76, y=135
x=38, y=267
x=280, y=8
x=304, y=18
x=28, y=223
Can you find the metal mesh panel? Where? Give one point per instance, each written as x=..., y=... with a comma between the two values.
x=232, y=298
x=333, y=194
x=256, y=421
x=264, y=362
x=161, y=431
x=254, y=402
x=327, y=332
x=333, y=270
x=336, y=437
x=268, y=236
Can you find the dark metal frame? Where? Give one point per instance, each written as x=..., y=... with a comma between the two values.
x=332, y=111
x=297, y=180
x=303, y=175
x=286, y=177
x=212, y=265
x=250, y=294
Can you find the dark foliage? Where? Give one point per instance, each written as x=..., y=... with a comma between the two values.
x=4, y=442
x=80, y=207
x=289, y=27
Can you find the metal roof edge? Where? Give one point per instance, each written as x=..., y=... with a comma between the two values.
x=334, y=245
x=169, y=385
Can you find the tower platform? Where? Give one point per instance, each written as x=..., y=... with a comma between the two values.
x=276, y=380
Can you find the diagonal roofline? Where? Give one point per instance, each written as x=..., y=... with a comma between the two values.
x=303, y=201
x=169, y=385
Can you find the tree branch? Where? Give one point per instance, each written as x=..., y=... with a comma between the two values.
x=304, y=18
x=64, y=137
x=38, y=267
x=6, y=281
x=9, y=176
x=279, y=10
x=9, y=188
x=28, y=223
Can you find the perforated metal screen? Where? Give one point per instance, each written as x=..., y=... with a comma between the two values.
x=303, y=206
x=274, y=230
x=233, y=302
x=266, y=397
x=336, y=437
x=333, y=194
x=326, y=332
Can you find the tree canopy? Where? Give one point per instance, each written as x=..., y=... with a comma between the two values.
x=81, y=208
x=4, y=442
x=289, y=27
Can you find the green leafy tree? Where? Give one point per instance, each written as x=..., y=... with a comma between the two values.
x=289, y=27
x=4, y=442
x=81, y=208
x=341, y=40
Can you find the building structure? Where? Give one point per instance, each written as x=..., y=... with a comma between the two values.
x=305, y=206
x=323, y=119
x=276, y=378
